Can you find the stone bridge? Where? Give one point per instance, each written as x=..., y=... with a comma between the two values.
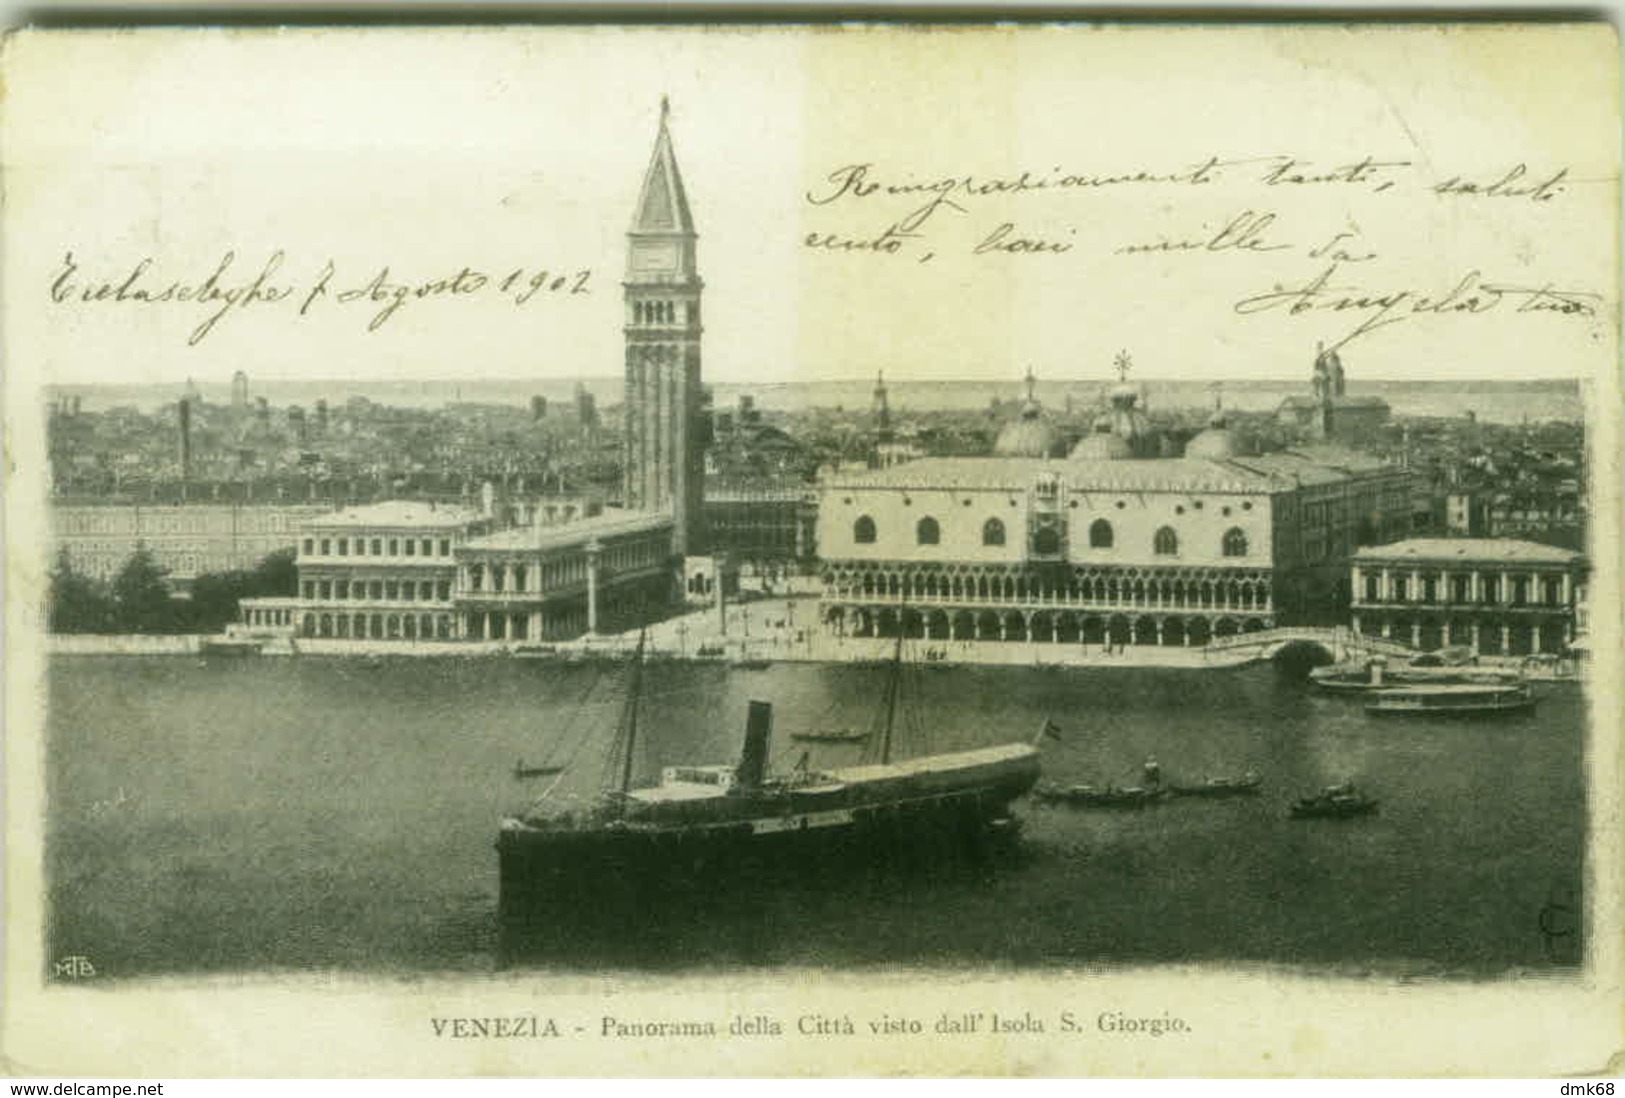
x=1339, y=642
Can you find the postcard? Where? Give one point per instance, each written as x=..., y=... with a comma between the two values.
x=1002, y=550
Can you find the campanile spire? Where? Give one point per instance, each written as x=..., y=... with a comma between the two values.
x=665, y=448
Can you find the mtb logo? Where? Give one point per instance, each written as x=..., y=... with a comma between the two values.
x=73, y=968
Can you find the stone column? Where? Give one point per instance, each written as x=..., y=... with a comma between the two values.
x=1416, y=634
x=1534, y=637
x=593, y=550
x=1506, y=640
x=719, y=569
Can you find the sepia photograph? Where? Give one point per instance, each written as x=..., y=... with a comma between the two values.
x=1037, y=550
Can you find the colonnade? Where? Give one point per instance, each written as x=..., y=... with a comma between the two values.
x=1038, y=625
x=377, y=625
x=1132, y=590
x=1493, y=633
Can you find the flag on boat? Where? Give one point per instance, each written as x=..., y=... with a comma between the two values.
x=1051, y=729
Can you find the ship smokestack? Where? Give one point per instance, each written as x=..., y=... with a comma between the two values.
x=758, y=730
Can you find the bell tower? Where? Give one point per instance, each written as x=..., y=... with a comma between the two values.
x=665, y=443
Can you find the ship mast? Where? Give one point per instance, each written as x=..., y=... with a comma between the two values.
x=634, y=688
x=891, y=695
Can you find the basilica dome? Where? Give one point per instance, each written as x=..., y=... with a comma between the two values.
x=1131, y=424
x=1216, y=443
x=1029, y=435
x=1122, y=431
x=1103, y=444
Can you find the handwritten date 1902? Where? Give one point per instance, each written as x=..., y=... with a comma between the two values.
x=223, y=290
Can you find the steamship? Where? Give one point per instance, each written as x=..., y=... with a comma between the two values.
x=724, y=821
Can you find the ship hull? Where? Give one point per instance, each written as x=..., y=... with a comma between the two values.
x=541, y=869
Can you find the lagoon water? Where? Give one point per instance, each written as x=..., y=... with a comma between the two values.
x=332, y=814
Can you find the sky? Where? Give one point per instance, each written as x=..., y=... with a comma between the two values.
x=505, y=153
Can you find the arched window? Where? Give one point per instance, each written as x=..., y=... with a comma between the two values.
x=1100, y=534
x=863, y=531
x=927, y=532
x=1166, y=542
x=992, y=532
x=1235, y=542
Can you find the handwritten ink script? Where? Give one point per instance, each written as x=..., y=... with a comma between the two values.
x=1285, y=219
x=228, y=286
x=1378, y=307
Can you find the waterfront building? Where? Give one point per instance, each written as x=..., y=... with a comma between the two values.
x=760, y=506
x=414, y=571
x=770, y=526
x=185, y=539
x=665, y=436
x=1170, y=551
x=384, y=571
x=544, y=582
x=1496, y=596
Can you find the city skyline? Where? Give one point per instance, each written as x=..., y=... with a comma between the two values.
x=1504, y=400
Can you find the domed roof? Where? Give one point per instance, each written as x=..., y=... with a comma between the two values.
x=1216, y=442
x=1104, y=445
x=1029, y=436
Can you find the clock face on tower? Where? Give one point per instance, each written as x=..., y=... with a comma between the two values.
x=654, y=257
